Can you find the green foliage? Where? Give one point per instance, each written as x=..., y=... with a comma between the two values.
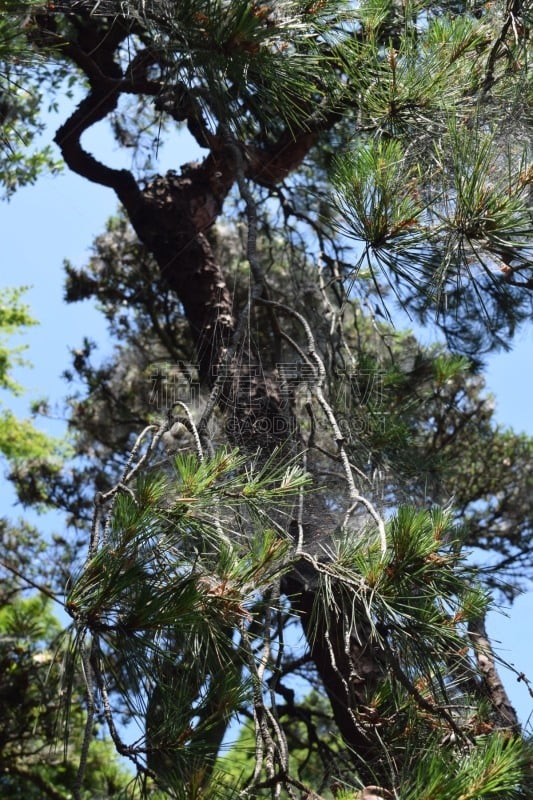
x=168, y=584
x=436, y=190
x=494, y=768
x=19, y=439
x=475, y=217
x=379, y=205
x=31, y=619
x=32, y=760
x=14, y=315
x=417, y=594
x=424, y=72
x=167, y=589
x=20, y=103
x=279, y=50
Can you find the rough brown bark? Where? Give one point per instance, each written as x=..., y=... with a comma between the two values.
x=171, y=218
x=349, y=668
x=171, y=214
x=505, y=714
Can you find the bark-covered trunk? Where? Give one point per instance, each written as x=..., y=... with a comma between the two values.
x=350, y=668
x=171, y=216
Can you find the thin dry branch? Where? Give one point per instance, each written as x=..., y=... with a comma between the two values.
x=312, y=357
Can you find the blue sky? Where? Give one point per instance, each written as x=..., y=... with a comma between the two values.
x=58, y=218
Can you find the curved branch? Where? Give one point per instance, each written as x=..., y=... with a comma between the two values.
x=93, y=108
x=93, y=52
x=271, y=164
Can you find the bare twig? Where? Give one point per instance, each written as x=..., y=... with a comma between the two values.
x=86, y=657
x=32, y=584
x=313, y=357
x=192, y=429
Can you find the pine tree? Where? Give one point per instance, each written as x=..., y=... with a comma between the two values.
x=292, y=460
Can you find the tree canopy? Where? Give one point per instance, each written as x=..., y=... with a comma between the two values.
x=281, y=508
